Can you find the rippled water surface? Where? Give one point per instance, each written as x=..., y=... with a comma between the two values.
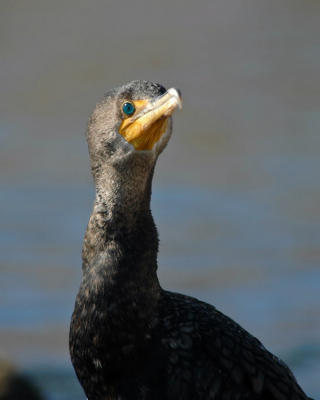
x=236, y=194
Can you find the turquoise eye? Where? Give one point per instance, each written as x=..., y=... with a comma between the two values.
x=128, y=108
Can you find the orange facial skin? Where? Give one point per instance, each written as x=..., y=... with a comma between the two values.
x=149, y=122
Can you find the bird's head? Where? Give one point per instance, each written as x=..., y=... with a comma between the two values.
x=131, y=125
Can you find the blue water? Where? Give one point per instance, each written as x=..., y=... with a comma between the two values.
x=209, y=248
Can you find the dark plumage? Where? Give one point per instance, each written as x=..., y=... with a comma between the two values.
x=129, y=338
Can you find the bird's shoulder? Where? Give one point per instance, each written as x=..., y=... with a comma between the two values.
x=210, y=348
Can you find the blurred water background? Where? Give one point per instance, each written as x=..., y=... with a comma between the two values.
x=236, y=194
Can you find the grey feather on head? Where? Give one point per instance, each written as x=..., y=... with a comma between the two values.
x=107, y=147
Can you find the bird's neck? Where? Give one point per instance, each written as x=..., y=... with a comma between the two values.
x=121, y=242
x=119, y=294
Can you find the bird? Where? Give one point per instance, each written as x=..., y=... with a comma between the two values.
x=129, y=338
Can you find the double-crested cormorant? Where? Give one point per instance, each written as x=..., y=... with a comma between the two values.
x=129, y=338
